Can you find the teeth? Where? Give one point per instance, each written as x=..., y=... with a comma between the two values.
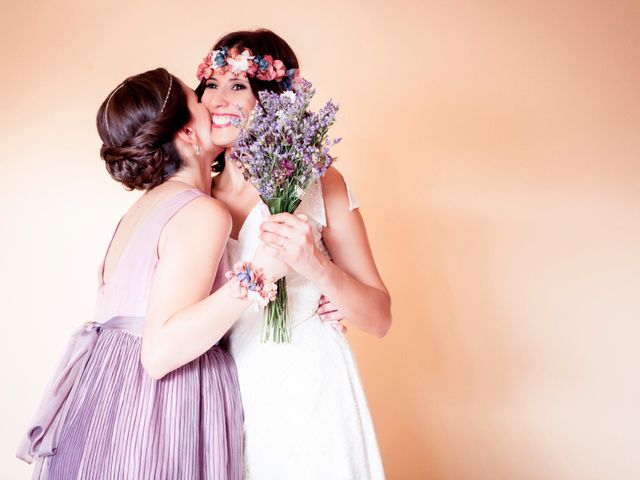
x=221, y=119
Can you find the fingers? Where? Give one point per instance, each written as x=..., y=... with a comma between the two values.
x=273, y=240
x=339, y=327
x=286, y=231
x=326, y=307
x=334, y=316
x=298, y=222
x=279, y=228
x=328, y=314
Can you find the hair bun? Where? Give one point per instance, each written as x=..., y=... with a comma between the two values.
x=136, y=167
x=137, y=124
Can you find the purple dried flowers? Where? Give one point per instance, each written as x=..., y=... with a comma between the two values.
x=282, y=149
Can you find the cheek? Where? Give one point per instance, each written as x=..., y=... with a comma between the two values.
x=206, y=99
x=248, y=101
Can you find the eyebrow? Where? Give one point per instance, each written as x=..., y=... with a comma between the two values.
x=236, y=77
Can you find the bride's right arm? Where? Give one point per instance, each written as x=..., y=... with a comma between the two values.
x=183, y=321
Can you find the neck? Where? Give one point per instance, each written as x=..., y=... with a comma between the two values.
x=195, y=174
x=231, y=177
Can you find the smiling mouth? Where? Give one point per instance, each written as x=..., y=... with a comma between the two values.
x=222, y=121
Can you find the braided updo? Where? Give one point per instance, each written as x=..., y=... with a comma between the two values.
x=137, y=124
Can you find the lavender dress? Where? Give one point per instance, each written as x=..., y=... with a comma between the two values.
x=104, y=418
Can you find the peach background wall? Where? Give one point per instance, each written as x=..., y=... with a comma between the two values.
x=494, y=147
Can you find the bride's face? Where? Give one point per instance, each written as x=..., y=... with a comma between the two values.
x=225, y=96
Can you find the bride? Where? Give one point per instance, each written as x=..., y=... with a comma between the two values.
x=306, y=415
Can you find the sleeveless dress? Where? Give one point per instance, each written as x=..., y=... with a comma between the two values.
x=103, y=417
x=306, y=415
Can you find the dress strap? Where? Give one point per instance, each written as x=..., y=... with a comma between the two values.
x=313, y=202
x=353, y=201
x=144, y=241
x=164, y=212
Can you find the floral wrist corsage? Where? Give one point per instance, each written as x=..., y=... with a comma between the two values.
x=249, y=282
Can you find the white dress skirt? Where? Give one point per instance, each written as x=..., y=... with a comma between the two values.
x=305, y=412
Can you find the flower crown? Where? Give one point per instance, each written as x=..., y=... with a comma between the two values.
x=262, y=67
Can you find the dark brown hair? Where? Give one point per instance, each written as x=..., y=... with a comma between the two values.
x=261, y=42
x=137, y=132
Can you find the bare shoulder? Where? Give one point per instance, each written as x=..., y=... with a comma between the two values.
x=334, y=190
x=332, y=179
x=208, y=207
x=203, y=215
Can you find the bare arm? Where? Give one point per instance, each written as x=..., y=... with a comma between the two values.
x=351, y=280
x=183, y=321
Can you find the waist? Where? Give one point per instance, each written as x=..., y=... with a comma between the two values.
x=129, y=324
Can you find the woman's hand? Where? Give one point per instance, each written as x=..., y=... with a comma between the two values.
x=291, y=239
x=329, y=314
x=266, y=259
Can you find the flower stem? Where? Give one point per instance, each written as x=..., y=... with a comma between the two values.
x=275, y=326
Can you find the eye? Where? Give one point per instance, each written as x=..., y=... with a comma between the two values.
x=211, y=85
x=238, y=86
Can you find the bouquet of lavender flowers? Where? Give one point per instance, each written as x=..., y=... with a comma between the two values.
x=282, y=150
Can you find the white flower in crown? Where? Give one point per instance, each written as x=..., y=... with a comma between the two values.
x=241, y=62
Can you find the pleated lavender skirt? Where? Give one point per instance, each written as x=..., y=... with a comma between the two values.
x=122, y=424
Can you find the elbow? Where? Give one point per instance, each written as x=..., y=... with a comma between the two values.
x=153, y=369
x=153, y=364
x=384, y=323
x=383, y=326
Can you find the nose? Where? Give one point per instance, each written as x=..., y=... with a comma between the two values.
x=217, y=99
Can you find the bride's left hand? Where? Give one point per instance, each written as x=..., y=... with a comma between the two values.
x=291, y=237
x=331, y=315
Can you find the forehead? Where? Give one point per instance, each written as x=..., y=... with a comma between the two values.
x=229, y=76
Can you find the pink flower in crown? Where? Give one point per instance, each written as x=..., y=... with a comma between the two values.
x=269, y=73
x=205, y=74
x=204, y=69
x=253, y=68
x=279, y=69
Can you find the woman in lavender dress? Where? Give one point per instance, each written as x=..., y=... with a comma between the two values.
x=143, y=392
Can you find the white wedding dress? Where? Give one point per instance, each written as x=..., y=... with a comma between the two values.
x=305, y=412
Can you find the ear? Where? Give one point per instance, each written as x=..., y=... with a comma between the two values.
x=187, y=135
